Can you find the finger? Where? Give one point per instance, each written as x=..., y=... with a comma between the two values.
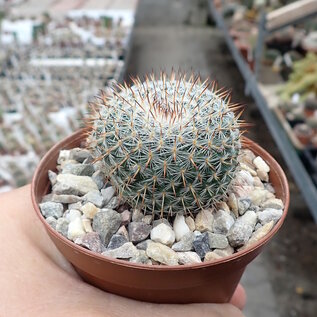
x=239, y=297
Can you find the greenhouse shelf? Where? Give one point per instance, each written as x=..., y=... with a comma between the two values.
x=290, y=155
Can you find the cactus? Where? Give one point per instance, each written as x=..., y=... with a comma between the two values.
x=168, y=145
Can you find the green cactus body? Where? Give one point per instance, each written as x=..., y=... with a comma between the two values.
x=168, y=145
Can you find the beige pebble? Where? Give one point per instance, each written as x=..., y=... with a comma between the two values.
x=161, y=253
x=246, y=167
x=204, y=220
x=257, y=182
x=246, y=156
x=87, y=224
x=190, y=223
x=264, y=176
x=124, y=232
x=233, y=204
x=211, y=256
x=147, y=219
x=223, y=206
x=89, y=210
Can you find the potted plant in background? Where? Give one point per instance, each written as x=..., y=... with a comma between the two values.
x=160, y=198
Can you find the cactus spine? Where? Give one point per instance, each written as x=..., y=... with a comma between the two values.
x=168, y=145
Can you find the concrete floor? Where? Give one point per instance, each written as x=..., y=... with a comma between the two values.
x=280, y=282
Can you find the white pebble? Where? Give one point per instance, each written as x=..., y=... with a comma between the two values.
x=72, y=214
x=260, y=164
x=180, y=227
x=163, y=234
x=75, y=229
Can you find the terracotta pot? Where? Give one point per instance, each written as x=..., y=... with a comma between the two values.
x=203, y=282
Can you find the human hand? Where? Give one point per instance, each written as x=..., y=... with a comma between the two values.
x=36, y=280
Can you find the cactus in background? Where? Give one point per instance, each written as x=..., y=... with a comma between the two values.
x=168, y=145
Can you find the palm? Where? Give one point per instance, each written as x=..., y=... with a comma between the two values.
x=36, y=280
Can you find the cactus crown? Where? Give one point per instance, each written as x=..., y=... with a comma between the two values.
x=168, y=145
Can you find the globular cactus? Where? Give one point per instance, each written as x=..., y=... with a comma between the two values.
x=168, y=145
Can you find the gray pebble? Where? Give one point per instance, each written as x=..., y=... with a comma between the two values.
x=51, y=209
x=66, y=199
x=138, y=231
x=95, y=198
x=116, y=241
x=250, y=218
x=106, y=222
x=141, y=258
x=254, y=208
x=126, y=251
x=257, y=226
x=217, y=241
x=143, y=244
x=51, y=221
x=79, y=154
x=69, y=184
x=159, y=221
x=113, y=203
x=243, y=205
x=269, y=214
x=107, y=194
x=242, y=229
x=52, y=177
x=239, y=234
x=75, y=206
x=222, y=222
x=185, y=244
x=98, y=178
x=78, y=169
x=201, y=244
x=62, y=226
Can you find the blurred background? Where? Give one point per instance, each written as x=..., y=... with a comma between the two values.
x=55, y=55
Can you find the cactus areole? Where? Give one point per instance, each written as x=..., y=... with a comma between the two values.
x=168, y=145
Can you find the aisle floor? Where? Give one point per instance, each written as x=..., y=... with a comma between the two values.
x=175, y=34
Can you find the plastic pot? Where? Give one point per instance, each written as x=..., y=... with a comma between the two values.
x=203, y=282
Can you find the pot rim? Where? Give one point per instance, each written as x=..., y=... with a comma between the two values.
x=235, y=256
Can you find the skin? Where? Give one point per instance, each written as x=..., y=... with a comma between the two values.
x=36, y=280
